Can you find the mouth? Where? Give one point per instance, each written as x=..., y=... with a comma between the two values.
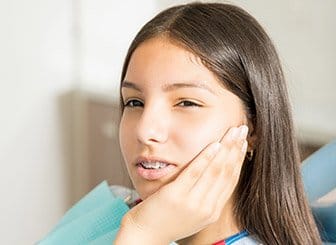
x=153, y=169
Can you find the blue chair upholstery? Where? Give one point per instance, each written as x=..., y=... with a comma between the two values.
x=319, y=178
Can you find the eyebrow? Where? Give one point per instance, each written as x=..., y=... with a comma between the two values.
x=172, y=86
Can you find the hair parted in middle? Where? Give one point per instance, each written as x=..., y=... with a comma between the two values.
x=269, y=198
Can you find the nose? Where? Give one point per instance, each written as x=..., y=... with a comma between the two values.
x=152, y=127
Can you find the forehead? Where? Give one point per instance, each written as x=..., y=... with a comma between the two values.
x=158, y=61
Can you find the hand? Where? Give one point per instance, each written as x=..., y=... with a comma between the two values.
x=195, y=198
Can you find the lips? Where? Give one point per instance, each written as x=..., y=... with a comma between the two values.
x=153, y=168
x=143, y=159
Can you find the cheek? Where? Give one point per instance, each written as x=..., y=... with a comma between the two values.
x=195, y=135
x=197, y=132
x=125, y=138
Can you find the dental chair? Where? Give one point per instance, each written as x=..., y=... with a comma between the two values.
x=319, y=178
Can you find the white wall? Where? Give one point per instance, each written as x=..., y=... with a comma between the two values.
x=107, y=28
x=35, y=69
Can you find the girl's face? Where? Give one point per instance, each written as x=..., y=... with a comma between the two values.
x=174, y=108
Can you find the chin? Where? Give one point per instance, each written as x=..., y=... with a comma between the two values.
x=147, y=188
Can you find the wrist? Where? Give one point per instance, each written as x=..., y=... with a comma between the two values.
x=132, y=233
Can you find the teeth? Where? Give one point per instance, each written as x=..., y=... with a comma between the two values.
x=154, y=165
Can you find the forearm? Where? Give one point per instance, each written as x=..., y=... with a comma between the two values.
x=130, y=233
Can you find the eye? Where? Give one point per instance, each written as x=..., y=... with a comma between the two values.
x=133, y=103
x=188, y=103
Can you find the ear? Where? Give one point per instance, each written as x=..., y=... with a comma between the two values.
x=251, y=138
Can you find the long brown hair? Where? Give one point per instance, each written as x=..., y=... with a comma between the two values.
x=270, y=201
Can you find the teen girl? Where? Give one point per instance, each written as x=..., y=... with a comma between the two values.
x=207, y=135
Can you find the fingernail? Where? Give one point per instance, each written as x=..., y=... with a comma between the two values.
x=214, y=148
x=235, y=133
x=243, y=132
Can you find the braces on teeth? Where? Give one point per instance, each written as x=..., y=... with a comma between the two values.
x=153, y=165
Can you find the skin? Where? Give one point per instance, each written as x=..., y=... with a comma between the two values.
x=177, y=123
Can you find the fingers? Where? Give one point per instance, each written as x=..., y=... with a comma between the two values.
x=193, y=171
x=226, y=183
x=222, y=173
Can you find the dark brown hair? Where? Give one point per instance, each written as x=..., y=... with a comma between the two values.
x=270, y=201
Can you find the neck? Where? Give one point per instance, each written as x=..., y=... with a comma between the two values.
x=224, y=227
